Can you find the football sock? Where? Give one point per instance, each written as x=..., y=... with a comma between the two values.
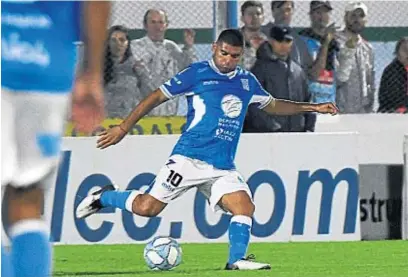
x=31, y=249
x=119, y=199
x=239, y=233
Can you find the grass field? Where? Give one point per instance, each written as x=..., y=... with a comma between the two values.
x=334, y=259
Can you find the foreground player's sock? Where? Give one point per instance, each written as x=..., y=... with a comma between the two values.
x=6, y=268
x=119, y=199
x=239, y=233
x=31, y=249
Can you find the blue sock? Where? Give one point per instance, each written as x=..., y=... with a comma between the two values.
x=6, y=267
x=119, y=199
x=31, y=249
x=239, y=233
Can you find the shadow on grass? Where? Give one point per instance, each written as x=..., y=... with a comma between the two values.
x=132, y=273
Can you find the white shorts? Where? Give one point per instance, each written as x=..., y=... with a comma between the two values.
x=180, y=174
x=31, y=129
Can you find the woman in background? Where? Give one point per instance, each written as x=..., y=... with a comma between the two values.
x=393, y=94
x=123, y=74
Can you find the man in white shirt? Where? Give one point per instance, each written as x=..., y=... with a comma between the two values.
x=356, y=79
x=162, y=57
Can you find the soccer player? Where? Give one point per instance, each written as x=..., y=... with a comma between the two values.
x=38, y=59
x=218, y=93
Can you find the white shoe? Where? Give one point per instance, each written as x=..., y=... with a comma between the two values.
x=92, y=204
x=247, y=264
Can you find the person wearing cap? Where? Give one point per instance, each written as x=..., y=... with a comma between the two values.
x=283, y=78
x=356, y=76
x=252, y=15
x=282, y=12
x=323, y=48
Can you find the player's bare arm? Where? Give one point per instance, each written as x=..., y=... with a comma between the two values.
x=117, y=133
x=96, y=23
x=286, y=107
x=87, y=99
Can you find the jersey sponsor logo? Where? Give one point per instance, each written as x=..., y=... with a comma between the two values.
x=27, y=21
x=225, y=134
x=168, y=187
x=231, y=105
x=15, y=50
x=207, y=83
x=227, y=129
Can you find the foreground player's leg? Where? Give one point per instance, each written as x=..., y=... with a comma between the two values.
x=31, y=247
x=133, y=201
x=241, y=207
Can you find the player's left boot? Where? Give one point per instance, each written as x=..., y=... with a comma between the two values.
x=247, y=263
x=91, y=204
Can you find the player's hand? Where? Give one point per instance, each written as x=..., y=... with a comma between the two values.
x=326, y=108
x=87, y=103
x=330, y=32
x=110, y=137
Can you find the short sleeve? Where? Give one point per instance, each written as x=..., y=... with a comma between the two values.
x=260, y=96
x=180, y=84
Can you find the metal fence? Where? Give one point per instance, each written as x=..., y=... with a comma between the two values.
x=387, y=22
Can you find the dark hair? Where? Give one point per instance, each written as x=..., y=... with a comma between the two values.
x=232, y=37
x=108, y=64
x=399, y=44
x=248, y=4
x=154, y=10
x=278, y=4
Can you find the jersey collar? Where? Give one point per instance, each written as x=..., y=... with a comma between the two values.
x=230, y=75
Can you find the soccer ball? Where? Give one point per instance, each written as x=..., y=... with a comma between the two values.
x=162, y=253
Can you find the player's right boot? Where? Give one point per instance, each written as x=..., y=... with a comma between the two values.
x=92, y=204
x=247, y=264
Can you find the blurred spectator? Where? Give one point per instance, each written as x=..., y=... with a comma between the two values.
x=356, y=82
x=163, y=57
x=123, y=75
x=282, y=12
x=252, y=15
x=323, y=48
x=284, y=79
x=393, y=94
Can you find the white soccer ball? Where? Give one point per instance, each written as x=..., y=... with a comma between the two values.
x=162, y=253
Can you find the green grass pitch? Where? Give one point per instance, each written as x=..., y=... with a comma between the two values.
x=325, y=259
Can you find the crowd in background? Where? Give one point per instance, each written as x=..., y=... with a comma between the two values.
x=318, y=64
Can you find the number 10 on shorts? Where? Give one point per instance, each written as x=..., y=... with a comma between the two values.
x=174, y=178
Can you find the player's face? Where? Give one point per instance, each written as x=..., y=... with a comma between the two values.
x=253, y=18
x=356, y=21
x=118, y=43
x=283, y=14
x=156, y=25
x=320, y=17
x=226, y=57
